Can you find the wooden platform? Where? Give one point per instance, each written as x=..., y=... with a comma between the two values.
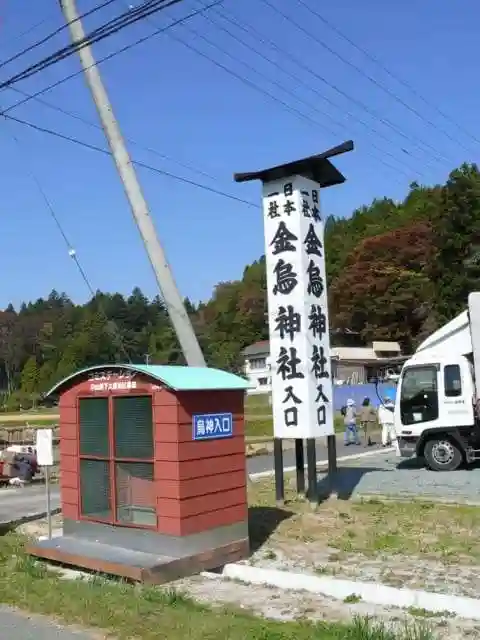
x=134, y=565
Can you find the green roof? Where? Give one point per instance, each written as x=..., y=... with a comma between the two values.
x=177, y=378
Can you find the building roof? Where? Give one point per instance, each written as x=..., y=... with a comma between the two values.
x=354, y=353
x=317, y=168
x=177, y=378
x=347, y=354
x=257, y=348
x=386, y=346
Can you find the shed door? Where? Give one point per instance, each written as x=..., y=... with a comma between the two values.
x=116, y=460
x=95, y=486
x=134, y=453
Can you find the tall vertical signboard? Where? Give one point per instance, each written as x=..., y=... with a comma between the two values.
x=302, y=386
x=297, y=309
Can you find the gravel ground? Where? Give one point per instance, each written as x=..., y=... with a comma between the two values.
x=385, y=474
x=288, y=605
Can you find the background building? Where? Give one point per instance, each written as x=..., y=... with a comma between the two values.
x=350, y=365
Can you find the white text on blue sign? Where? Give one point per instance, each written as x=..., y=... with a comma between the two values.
x=209, y=426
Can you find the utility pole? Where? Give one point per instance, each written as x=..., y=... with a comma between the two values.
x=173, y=301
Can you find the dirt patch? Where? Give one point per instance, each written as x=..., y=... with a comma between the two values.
x=445, y=532
x=414, y=544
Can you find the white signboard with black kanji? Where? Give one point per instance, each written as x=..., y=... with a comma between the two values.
x=297, y=309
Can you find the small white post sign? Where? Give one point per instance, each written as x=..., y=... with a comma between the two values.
x=44, y=452
x=297, y=308
x=44, y=447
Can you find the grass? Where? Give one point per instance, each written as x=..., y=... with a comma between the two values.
x=31, y=423
x=369, y=527
x=131, y=611
x=263, y=426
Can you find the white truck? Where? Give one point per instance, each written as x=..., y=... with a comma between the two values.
x=437, y=404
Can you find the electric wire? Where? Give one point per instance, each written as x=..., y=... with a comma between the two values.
x=95, y=125
x=110, y=324
x=201, y=11
x=249, y=29
x=306, y=117
x=275, y=98
x=29, y=30
x=378, y=84
x=371, y=111
x=52, y=34
x=390, y=73
x=203, y=8
x=305, y=84
x=111, y=55
x=138, y=163
x=114, y=26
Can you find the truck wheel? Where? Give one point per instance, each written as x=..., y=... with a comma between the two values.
x=442, y=454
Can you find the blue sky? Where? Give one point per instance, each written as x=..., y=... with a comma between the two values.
x=173, y=100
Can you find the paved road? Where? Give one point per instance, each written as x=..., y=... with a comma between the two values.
x=258, y=464
x=17, y=504
x=23, y=626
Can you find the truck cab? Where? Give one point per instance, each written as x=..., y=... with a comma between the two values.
x=436, y=408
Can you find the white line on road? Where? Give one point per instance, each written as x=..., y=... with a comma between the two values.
x=323, y=463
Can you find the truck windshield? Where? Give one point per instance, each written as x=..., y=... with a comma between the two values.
x=419, y=395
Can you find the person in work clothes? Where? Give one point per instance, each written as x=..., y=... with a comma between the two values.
x=368, y=418
x=350, y=422
x=386, y=420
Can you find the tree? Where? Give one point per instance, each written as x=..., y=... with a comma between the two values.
x=383, y=292
x=455, y=265
x=30, y=376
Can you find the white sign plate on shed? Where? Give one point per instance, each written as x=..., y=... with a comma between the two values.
x=44, y=446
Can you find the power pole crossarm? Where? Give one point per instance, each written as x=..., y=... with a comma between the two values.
x=173, y=301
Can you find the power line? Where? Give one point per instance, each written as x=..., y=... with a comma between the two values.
x=138, y=163
x=95, y=125
x=288, y=107
x=378, y=62
x=111, y=325
x=113, y=26
x=292, y=109
x=250, y=83
x=301, y=82
x=52, y=34
x=200, y=11
x=245, y=80
x=363, y=73
x=112, y=55
x=33, y=27
x=247, y=27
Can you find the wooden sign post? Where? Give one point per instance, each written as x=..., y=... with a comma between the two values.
x=302, y=385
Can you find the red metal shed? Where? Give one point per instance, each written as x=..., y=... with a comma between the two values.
x=152, y=471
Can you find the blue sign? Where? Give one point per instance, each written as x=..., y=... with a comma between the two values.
x=209, y=426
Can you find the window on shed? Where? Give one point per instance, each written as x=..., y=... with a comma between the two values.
x=136, y=498
x=95, y=496
x=133, y=427
x=93, y=415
